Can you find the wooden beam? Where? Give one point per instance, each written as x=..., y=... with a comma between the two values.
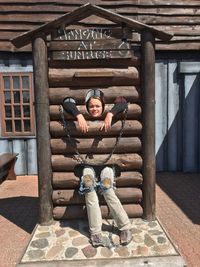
x=127, y=162
x=43, y=138
x=148, y=120
x=132, y=127
x=79, y=212
x=93, y=63
x=97, y=146
x=134, y=112
x=68, y=180
x=72, y=196
x=57, y=94
x=93, y=77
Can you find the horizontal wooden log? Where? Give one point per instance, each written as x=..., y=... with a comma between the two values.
x=71, y=196
x=127, y=162
x=134, y=112
x=79, y=212
x=67, y=180
x=129, y=178
x=130, y=128
x=131, y=93
x=97, y=146
x=93, y=63
x=93, y=77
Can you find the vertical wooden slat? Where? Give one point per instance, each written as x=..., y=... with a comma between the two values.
x=42, y=125
x=148, y=136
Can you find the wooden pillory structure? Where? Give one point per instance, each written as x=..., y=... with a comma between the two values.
x=69, y=59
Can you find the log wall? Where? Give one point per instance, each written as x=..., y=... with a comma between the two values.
x=95, y=146
x=181, y=18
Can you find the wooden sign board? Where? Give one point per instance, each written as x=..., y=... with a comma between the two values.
x=92, y=34
x=86, y=44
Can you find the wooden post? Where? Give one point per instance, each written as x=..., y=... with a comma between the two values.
x=148, y=117
x=41, y=87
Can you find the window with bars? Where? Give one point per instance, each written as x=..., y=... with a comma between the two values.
x=17, y=104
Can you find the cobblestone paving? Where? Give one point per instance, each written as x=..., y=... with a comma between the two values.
x=70, y=241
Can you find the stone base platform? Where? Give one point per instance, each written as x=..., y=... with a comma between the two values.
x=66, y=243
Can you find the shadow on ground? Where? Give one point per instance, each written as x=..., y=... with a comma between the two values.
x=184, y=190
x=22, y=211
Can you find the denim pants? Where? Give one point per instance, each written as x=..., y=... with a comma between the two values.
x=114, y=204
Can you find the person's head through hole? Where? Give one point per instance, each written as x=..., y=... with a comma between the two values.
x=95, y=102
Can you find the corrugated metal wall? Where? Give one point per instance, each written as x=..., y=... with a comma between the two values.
x=26, y=163
x=178, y=115
x=177, y=119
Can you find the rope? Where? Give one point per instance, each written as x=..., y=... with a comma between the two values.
x=79, y=157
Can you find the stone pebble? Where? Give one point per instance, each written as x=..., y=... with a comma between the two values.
x=54, y=251
x=40, y=243
x=35, y=254
x=80, y=241
x=122, y=251
x=70, y=252
x=106, y=252
x=89, y=251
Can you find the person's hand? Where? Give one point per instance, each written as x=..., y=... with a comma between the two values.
x=82, y=123
x=107, y=122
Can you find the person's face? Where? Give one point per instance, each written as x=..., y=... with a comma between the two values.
x=95, y=107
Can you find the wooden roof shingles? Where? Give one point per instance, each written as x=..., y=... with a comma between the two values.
x=182, y=18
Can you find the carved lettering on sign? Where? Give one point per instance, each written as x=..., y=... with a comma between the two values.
x=85, y=34
x=83, y=54
x=92, y=44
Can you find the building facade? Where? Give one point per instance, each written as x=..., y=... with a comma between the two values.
x=177, y=77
